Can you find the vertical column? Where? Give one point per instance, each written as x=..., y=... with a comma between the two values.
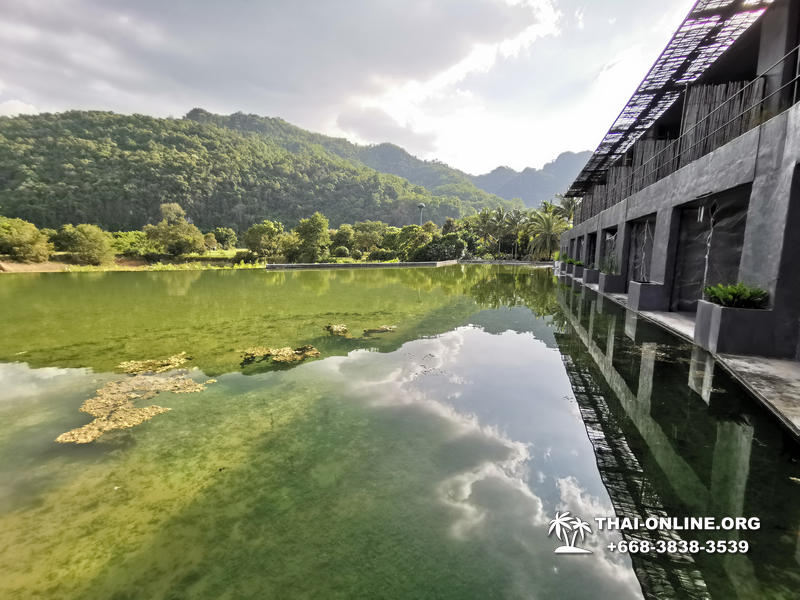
x=779, y=26
x=646, y=370
x=612, y=327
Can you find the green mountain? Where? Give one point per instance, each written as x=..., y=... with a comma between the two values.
x=533, y=186
x=115, y=170
x=436, y=176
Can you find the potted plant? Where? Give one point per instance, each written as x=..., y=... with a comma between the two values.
x=733, y=319
x=591, y=275
x=578, y=269
x=570, y=265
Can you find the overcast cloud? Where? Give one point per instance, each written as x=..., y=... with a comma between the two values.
x=475, y=83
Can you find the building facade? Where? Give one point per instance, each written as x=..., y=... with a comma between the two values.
x=697, y=182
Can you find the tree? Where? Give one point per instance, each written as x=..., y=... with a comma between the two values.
x=445, y=247
x=174, y=234
x=226, y=237
x=65, y=239
x=449, y=226
x=23, y=241
x=515, y=220
x=91, y=245
x=132, y=243
x=114, y=170
x=409, y=239
x=264, y=238
x=173, y=213
x=498, y=221
x=545, y=229
x=343, y=236
x=368, y=234
x=314, y=238
x=210, y=241
x=484, y=225
x=430, y=227
x=566, y=207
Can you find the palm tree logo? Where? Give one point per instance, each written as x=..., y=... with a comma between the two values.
x=563, y=525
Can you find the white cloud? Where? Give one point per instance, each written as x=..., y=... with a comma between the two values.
x=12, y=108
x=579, y=18
x=476, y=83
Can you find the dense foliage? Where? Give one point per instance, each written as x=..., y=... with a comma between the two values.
x=493, y=234
x=439, y=178
x=116, y=170
x=23, y=242
x=88, y=244
x=737, y=295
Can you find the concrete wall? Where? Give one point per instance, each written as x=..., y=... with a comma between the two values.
x=765, y=157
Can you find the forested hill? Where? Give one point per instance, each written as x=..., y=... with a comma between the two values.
x=533, y=186
x=116, y=170
x=439, y=178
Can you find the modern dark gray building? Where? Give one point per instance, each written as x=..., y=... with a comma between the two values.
x=697, y=181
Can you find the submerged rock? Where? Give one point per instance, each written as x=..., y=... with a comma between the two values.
x=135, y=367
x=112, y=406
x=381, y=329
x=287, y=355
x=278, y=355
x=339, y=329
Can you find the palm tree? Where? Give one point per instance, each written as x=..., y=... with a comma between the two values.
x=515, y=219
x=545, y=230
x=566, y=207
x=562, y=525
x=547, y=207
x=484, y=225
x=581, y=527
x=498, y=225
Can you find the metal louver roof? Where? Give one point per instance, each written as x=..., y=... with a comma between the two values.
x=711, y=27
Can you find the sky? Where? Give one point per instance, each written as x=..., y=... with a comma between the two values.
x=473, y=83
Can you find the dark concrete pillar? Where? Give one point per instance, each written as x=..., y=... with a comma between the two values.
x=779, y=30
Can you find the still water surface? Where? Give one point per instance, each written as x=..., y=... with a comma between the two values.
x=425, y=462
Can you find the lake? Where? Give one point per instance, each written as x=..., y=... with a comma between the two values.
x=424, y=458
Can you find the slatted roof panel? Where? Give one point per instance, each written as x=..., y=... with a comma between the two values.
x=710, y=28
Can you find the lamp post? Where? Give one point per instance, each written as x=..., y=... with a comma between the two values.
x=421, y=207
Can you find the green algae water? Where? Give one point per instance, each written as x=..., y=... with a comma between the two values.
x=422, y=462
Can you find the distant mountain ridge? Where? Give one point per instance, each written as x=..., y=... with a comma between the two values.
x=437, y=177
x=533, y=186
x=115, y=170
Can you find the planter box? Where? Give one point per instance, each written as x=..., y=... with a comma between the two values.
x=591, y=275
x=578, y=272
x=570, y=269
x=647, y=296
x=722, y=329
x=611, y=284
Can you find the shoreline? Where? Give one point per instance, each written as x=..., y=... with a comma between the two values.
x=10, y=267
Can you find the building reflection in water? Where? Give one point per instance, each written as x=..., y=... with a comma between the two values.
x=675, y=436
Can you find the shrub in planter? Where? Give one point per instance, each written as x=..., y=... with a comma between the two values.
x=737, y=295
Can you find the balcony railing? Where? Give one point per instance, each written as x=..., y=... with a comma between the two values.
x=744, y=109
